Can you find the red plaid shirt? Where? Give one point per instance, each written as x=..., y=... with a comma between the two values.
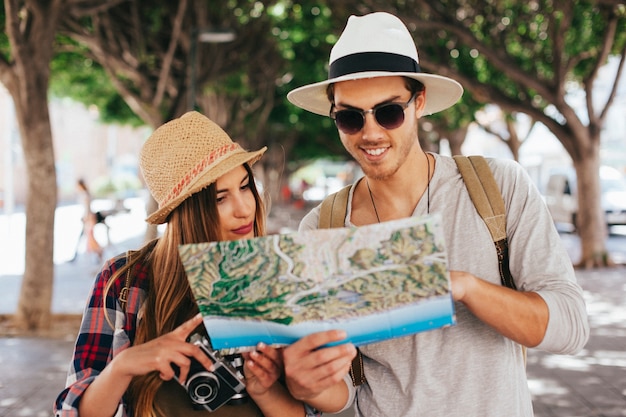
x=97, y=341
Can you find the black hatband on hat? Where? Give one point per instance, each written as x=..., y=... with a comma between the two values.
x=372, y=61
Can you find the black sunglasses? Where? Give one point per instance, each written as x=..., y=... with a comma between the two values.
x=387, y=115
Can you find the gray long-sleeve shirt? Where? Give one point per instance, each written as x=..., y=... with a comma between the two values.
x=470, y=369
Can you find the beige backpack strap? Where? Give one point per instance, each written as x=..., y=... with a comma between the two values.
x=488, y=201
x=484, y=193
x=333, y=209
x=333, y=214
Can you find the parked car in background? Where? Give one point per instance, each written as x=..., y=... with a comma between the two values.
x=561, y=195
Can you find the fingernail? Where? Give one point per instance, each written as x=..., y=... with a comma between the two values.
x=260, y=345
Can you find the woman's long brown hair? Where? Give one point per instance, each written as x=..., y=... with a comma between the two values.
x=169, y=301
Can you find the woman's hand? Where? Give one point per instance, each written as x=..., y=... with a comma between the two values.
x=103, y=395
x=163, y=352
x=262, y=368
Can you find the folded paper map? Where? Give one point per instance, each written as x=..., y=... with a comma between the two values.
x=375, y=282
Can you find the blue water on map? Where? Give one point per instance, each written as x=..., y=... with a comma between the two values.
x=429, y=314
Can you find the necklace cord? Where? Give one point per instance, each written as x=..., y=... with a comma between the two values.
x=427, y=190
x=372, y=198
x=428, y=183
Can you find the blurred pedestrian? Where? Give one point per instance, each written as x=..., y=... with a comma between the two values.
x=89, y=220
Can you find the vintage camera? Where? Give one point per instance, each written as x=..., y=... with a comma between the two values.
x=211, y=390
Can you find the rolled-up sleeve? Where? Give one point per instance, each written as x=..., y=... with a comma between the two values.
x=568, y=327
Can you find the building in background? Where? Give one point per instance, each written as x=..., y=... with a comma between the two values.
x=104, y=155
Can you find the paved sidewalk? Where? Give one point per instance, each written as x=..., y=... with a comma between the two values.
x=590, y=384
x=593, y=382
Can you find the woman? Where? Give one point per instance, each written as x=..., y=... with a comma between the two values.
x=90, y=219
x=142, y=311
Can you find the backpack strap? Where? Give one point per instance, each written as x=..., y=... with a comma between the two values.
x=334, y=209
x=333, y=214
x=489, y=204
x=488, y=201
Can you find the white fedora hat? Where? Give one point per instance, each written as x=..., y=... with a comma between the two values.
x=376, y=45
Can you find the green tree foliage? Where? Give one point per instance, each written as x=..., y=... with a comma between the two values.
x=75, y=75
x=280, y=45
x=306, y=31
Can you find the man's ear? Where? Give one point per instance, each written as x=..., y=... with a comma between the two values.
x=420, y=103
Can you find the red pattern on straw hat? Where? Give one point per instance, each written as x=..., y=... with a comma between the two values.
x=198, y=169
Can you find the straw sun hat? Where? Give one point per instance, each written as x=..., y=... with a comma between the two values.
x=376, y=45
x=185, y=156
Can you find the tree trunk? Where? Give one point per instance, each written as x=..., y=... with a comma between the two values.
x=513, y=142
x=34, y=305
x=590, y=221
x=30, y=27
x=29, y=92
x=456, y=139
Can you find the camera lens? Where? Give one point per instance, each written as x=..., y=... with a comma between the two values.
x=203, y=387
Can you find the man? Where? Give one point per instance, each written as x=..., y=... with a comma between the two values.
x=376, y=94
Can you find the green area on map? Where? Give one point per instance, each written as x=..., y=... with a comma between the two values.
x=328, y=274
